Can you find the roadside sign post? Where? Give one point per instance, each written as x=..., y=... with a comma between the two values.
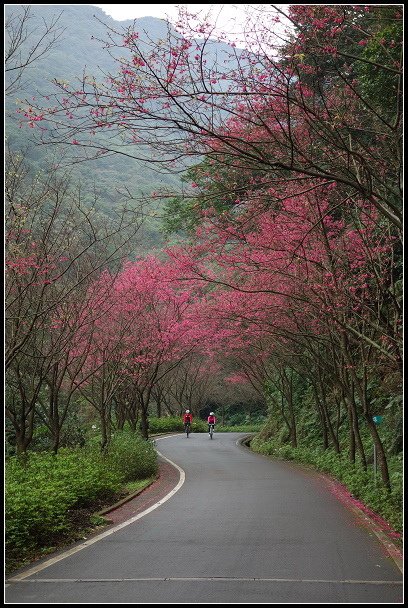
x=377, y=420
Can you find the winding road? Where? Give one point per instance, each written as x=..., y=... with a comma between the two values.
x=237, y=528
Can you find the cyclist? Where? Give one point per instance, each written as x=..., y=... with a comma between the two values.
x=187, y=419
x=211, y=420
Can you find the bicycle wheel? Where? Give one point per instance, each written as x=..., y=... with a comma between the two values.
x=211, y=431
x=187, y=430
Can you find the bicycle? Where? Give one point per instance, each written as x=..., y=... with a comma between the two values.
x=211, y=430
x=187, y=428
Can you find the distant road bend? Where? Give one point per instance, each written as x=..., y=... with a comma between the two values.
x=242, y=528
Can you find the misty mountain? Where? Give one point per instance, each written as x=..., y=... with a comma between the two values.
x=78, y=48
x=82, y=31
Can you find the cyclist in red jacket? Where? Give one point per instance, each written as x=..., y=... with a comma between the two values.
x=187, y=418
x=211, y=420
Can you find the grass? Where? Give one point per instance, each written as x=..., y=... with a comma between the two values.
x=140, y=484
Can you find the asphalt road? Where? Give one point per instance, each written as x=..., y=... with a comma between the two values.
x=242, y=528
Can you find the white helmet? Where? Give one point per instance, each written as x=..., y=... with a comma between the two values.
x=211, y=413
x=187, y=411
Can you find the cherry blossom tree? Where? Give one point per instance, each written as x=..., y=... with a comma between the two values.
x=55, y=246
x=294, y=201
x=143, y=331
x=305, y=114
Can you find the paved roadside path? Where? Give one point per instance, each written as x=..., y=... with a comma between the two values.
x=241, y=528
x=167, y=480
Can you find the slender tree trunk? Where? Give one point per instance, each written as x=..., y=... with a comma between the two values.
x=352, y=439
x=105, y=430
x=321, y=418
x=53, y=420
x=56, y=438
x=22, y=442
x=159, y=407
x=144, y=423
x=332, y=434
x=120, y=420
x=361, y=387
x=24, y=432
x=132, y=415
x=380, y=452
x=338, y=422
x=350, y=400
x=293, y=433
x=330, y=428
x=282, y=408
x=346, y=387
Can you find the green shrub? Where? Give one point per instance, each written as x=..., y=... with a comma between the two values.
x=240, y=428
x=131, y=456
x=167, y=424
x=43, y=489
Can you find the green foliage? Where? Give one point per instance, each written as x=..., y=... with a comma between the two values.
x=10, y=438
x=41, y=439
x=169, y=424
x=242, y=414
x=72, y=434
x=180, y=213
x=97, y=520
x=200, y=426
x=44, y=489
x=380, y=85
x=134, y=486
x=132, y=456
x=212, y=184
x=238, y=428
x=165, y=424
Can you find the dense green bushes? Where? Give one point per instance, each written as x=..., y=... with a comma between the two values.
x=239, y=428
x=169, y=424
x=132, y=457
x=360, y=483
x=165, y=424
x=43, y=490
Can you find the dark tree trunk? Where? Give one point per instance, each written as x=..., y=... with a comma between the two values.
x=352, y=439
x=321, y=418
x=381, y=456
x=144, y=423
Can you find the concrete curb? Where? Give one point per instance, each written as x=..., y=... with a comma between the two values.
x=127, y=498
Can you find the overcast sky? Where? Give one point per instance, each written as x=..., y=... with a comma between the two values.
x=230, y=17
x=121, y=12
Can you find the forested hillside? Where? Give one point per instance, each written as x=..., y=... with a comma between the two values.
x=81, y=47
x=79, y=31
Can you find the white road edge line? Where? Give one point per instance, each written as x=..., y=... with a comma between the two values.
x=53, y=560
x=213, y=579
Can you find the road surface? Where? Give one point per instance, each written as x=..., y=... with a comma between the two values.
x=240, y=528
